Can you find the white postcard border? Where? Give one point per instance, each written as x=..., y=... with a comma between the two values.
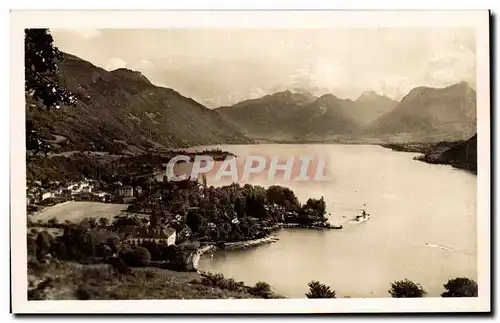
x=240, y=19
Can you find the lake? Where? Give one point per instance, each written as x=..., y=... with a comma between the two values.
x=422, y=226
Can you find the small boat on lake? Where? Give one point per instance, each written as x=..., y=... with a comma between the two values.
x=362, y=217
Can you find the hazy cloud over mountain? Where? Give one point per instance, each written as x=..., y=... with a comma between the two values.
x=222, y=67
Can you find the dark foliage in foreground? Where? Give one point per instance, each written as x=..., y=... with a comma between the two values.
x=139, y=257
x=41, y=58
x=406, y=289
x=318, y=290
x=261, y=289
x=460, y=287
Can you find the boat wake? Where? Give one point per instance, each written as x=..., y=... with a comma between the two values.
x=432, y=245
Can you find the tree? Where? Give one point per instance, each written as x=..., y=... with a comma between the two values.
x=194, y=221
x=88, y=244
x=139, y=257
x=318, y=290
x=103, y=250
x=31, y=243
x=460, y=287
x=43, y=244
x=261, y=289
x=89, y=222
x=318, y=207
x=103, y=222
x=60, y=249
x=153, y=220
x=239, y=207
x=406, y=289
x=41, y=58
x=282, y=196
x=53, y=222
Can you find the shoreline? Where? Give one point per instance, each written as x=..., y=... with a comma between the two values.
x=250, y=243
x=313, y=226
x=194, y=258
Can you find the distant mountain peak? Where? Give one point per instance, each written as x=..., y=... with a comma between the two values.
x=120, y=111
x=372, y=95
x=283, y=93
x=369, y=93
x=302, y=91
x=427, y=112
x=327, y=95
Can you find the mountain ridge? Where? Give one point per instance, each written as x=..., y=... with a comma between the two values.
x=446, y=113
x=423, y=114
x=303, y=116
x=121, y=111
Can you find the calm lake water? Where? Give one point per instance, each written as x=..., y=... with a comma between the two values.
x=423, y=226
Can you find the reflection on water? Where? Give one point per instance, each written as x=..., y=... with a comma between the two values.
x=422, y=226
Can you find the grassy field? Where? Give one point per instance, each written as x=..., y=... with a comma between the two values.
x=76, y=211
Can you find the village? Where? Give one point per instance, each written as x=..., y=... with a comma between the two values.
x=187, y=217
x=85, y=190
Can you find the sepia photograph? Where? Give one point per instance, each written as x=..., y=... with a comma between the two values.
x=268, y=161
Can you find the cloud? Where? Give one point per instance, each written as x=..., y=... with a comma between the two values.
x=114, y=63
x=145, y=63
x=452, y=66
x=321, y=76
x=88, y=33
x=256, y=93
x=344, y=62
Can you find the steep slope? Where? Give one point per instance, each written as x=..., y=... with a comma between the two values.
x=294, y=116
x=430, y=114
x=269, y=116
x=121, y=111
x=329, y=115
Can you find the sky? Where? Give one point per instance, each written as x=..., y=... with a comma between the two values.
x=219, y=67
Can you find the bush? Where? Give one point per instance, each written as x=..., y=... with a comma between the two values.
x=53, y=222
x=103, y=222
x=261, y=289
x=139, y=257
x=318, y=290
x=31, y=244
x=216, y=280
x=460, y=287
x=43, y=244
x=406, y=289
x=60, y=249
x=231, y=284
x=103, y=250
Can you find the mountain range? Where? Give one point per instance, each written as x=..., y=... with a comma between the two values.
x=424, y=114
x=429, y=114
x=302, y=115
x=121, y=111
